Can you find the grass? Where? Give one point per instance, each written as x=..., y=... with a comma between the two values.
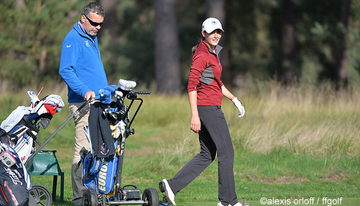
x=294, y=143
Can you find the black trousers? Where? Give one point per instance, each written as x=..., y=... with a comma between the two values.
x=214, y=138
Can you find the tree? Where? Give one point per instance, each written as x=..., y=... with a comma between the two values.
x=286, y=54
x=262, y=39
x=32, y=33
x=167, y=56
x=287, y=69
x=217, y=9
x=108, y=36
x=329, y=39
x=341, y=50
x=244, y=21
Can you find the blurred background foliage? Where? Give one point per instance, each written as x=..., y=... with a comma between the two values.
x=285, y=40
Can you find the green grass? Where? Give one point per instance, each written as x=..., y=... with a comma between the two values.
x=293, y=144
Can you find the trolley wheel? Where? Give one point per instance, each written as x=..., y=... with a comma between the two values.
x=90, y=198
x=150, y=197
x=103, y=200
x=41, y=195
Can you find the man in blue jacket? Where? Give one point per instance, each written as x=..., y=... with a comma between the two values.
x=82, y=70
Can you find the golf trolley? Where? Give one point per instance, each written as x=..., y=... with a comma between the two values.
x=102, y=165
x=18, y=135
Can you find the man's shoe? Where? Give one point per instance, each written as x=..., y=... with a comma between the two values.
x=167, y=192
x=78, y=203
x=237, y=204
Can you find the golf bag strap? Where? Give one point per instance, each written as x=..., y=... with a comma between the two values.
x=28, y=124
x=2, y=132
x=4, y=138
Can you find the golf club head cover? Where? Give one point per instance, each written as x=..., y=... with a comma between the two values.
x=126, y=85
x=106, y=94
x=53, y=103
x=49, y=104
x=33, y=98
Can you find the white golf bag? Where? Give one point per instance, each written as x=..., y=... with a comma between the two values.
x=17, y=135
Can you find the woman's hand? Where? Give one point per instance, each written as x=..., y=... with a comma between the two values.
x=240, y=107
x=195, y=124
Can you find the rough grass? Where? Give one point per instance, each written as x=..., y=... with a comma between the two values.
x=305, y=119
x=294, y=142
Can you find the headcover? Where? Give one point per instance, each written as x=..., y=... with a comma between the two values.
x=49, y=104
x=106, y=94
x=126, y=85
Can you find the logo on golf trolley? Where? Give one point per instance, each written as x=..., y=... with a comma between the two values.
x=104, y=149
x=102, y=176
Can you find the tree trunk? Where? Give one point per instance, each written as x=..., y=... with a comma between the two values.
x=111, y=25
x=287, y=70
x=341, y=53
x=217, y=8
x=167, y=56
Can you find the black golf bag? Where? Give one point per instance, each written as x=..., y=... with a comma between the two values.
x=13, y=176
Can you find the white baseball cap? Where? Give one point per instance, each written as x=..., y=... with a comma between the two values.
x=211, y=24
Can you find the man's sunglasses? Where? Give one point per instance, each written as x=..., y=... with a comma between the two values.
x=93, y=23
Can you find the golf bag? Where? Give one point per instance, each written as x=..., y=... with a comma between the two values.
x=17, y=135
x=24, y=123
x=101, y=163
x=13, y=178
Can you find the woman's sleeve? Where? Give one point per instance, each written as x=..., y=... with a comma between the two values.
x=198, y=66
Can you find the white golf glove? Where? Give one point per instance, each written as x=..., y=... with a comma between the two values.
x=118, y=129
x=240, y=107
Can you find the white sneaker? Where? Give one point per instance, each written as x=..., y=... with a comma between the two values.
x=167, y=192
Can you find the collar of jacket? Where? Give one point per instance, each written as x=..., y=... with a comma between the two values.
x=81, y=30
x=217, y=50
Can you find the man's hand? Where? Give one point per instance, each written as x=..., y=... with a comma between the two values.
x=240, y=107
x=89, y=95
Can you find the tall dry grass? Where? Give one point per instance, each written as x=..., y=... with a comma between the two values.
x=304, y=118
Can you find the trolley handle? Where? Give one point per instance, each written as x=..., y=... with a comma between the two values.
x=133, y=95
x=143, y=92
x=84, y=104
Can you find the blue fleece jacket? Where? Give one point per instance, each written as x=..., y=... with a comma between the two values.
x=80, y=65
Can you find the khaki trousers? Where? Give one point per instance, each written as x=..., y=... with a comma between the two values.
x=80, y=120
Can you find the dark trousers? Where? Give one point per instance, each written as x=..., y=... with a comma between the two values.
x=214, y=137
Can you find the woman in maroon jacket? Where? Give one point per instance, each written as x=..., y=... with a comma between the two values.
x=206, y=91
